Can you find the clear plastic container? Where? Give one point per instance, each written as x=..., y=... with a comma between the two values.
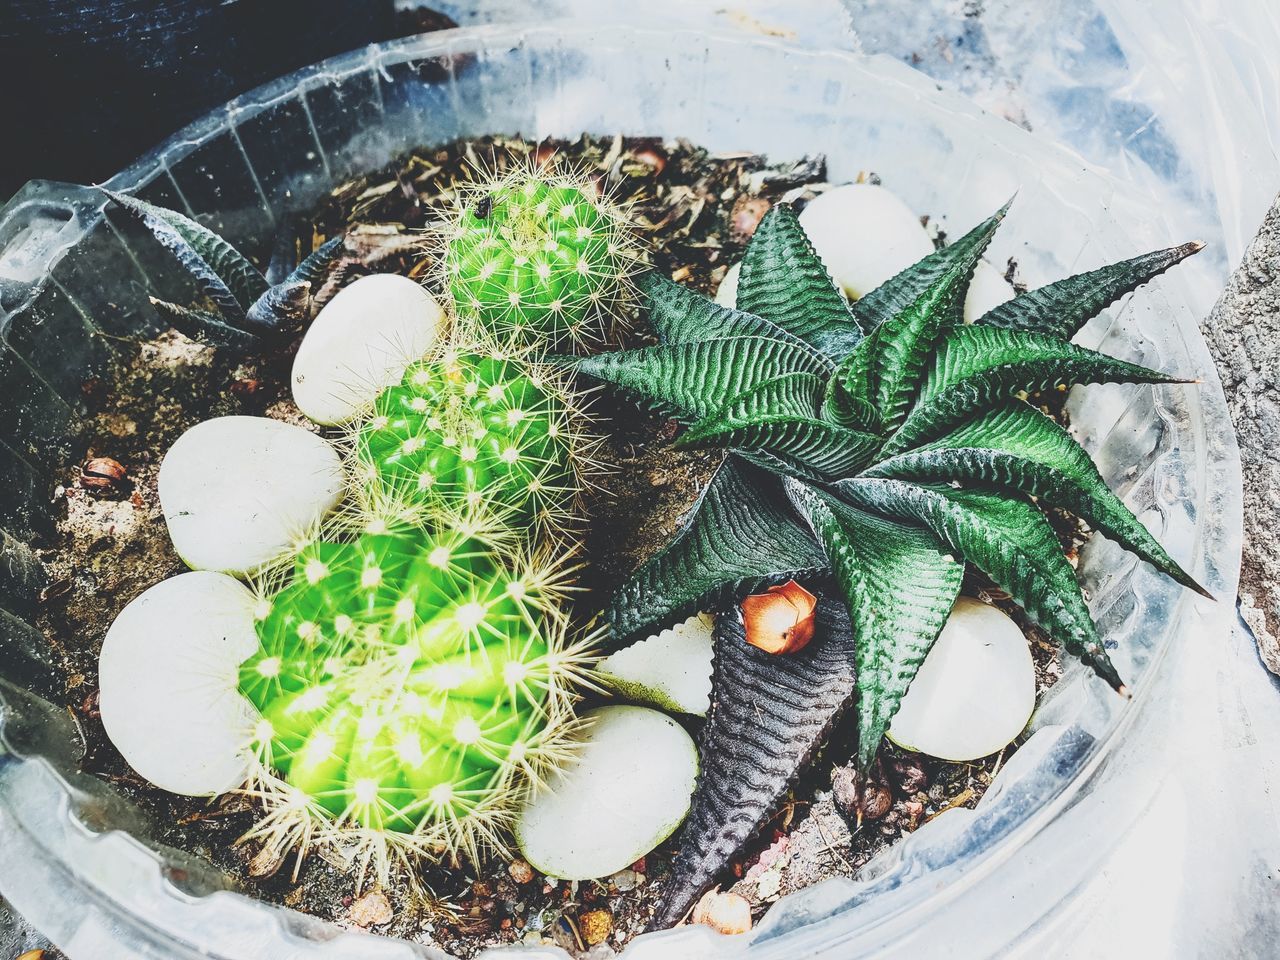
x=77, y=862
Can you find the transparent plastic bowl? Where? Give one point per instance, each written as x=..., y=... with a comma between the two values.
x=75, y=859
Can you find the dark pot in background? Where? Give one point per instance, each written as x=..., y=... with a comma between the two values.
x=90, y=84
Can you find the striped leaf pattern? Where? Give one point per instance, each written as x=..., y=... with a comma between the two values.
x=784, y=281
x=740, y=537
x=1009, y=540
x=681, y=315
x=692, y=380
x=769, y=716
x=1016, y=447
x=874, y=559
x=1061, y=309
x=977, y=366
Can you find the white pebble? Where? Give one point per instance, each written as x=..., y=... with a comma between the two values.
x=670, y=670
x=864, y=234
x=360, y=343
x=987, y=290
x=974, y=692
x=627, y=790
x=238, y=492
x=168, y=676
x=727, y=292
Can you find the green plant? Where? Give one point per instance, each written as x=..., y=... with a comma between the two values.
x=471, y=429
x=537, y=258
x=410, y=685
x=876, y=449
x=241, y=306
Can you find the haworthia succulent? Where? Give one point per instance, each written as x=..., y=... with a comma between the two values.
x=229, y=280
x=924, y=407
x=1006, y=538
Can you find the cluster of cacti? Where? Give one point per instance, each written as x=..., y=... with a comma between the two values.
x=414, y=670
x=467, y=430
x=536, y=258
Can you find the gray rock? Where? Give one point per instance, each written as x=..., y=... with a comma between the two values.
x=1243, y=333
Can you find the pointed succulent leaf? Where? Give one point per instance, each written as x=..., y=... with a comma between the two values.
x=769, y=716
x=682, y=315
x=780, y=416
x=1015, y=446
x=1061, y=309
x=225, y=276
x=828, y=449
x=792, y=394
x=904, y=343
x=741, y=536
x=976, y=366
x=315, y=266
x=899, y=292
x=872, y=559
x=691, y=380
x=204, y=326
x=784, y=280
x=1006, y=538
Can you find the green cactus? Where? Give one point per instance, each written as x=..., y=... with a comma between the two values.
x=473, y=429
x=536, y=259
x=408, y=683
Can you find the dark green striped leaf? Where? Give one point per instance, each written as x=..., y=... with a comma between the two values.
x=1061, y=309
x=783, y=280
x=1006, y=538
x=976, y=366
x=682, y=315
x=741, y=536
x=899, y=586
x=315, y=266
x=1017, y=447
x=780, y=416
x=223, y=273
x=899, y=292
x=692, y=380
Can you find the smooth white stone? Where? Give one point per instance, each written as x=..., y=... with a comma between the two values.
x=360, y=343
x=238, y=492
x=628, y=789
x=987, y=289
x=168, y=677
x=864, y=234
x=727, y=292
x=670, y=670
x=974, y=692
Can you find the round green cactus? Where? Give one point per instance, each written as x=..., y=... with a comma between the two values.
x=537, y=258
x=473, y=430
x=404, y=680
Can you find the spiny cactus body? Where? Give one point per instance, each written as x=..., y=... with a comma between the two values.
x=471, y=430
x=536, y=258
x=406, y=680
